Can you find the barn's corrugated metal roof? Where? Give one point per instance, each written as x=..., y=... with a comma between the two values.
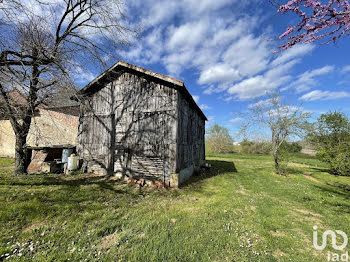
x=99, y=81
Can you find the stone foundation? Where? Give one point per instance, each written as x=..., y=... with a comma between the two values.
x=178, y=179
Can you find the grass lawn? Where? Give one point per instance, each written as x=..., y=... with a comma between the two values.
x=239, y=211
x=6, y=162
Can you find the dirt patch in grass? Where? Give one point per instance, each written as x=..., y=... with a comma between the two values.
x=277, y=233
x=191, y=209
x=242, y=191
x=142, y=235
x=33, y=227
x=278, y=254
x=109, y=241
x=308, y=212
x=309, y=216
x=309, y=177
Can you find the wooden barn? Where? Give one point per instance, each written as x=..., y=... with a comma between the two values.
x=141, y=124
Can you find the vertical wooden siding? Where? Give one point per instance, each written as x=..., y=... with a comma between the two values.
x=129, y=126
x=191, y=132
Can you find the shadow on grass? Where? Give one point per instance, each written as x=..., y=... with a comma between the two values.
x=218, y=167
x=342, y=191
x=293, y=171
x=60, y=180
x=296, y=171
x=344, y=187
x=72, y=183
x=324, y=170
x=37, y=197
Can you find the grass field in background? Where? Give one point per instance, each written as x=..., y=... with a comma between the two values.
x=238, y=211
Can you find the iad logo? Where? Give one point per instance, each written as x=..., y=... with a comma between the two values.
x=332, y=256
x=333, y=237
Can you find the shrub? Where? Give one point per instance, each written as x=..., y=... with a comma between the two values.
x=292, y=147
x=331, y=137
x=262, y=148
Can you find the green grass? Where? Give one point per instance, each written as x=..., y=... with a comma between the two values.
x=6, y=162
x=238, y=211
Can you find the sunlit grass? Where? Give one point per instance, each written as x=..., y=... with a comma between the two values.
x=6, y=162
x=238, y=211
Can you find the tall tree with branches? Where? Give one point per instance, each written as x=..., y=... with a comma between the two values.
x=282, y=120
x=42, y=43
x=219, y=140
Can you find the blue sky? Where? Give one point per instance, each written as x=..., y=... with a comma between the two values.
x=223, y=51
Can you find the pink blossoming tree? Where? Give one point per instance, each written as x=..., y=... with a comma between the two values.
x=325, y=19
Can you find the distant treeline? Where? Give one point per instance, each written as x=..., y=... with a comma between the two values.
x=220, y=141
x=265, y=148
x=329, y=136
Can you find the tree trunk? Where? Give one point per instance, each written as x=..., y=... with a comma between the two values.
x=111, y=160
x=21, y=129
x=20, y=155
x=277, y=166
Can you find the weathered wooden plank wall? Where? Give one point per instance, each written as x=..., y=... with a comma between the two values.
x=129, y=127
x=191, y=132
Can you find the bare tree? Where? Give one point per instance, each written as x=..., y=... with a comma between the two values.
x=282, y=120
x=43, y=42
x=219, y=140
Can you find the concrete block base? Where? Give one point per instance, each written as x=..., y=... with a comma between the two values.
x=178, y=179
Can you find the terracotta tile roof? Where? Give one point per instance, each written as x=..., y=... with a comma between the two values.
x=16, y=97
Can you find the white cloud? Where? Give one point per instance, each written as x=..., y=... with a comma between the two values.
x=204, y=107
x=318, y=72
x=222, y=47
x=82, y=75
x=258, y=86
x=251, y=88
x=323, y=95
x=219, y=73
x=308, y=79
x=153, y=12
x=205, y=5
x=242, y=62
x=249, y=55
x=346, y=69
x=174, y=62
x=236, y=120
x=201, y=35
x=145, y=52
x=209, y=90
x=343, y=82
x=187, y=35
x=292, y=53
x=227, y=34
x=195, y=98
x=260, y=103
